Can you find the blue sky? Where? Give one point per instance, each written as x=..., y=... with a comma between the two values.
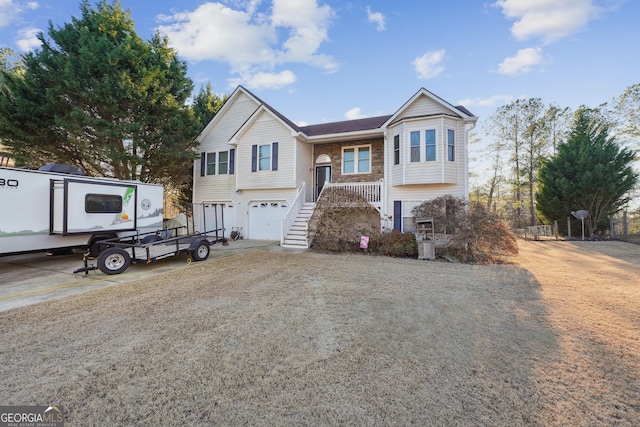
x=327, y=60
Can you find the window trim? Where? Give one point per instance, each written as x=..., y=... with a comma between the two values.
x=412, y=147
x=451, y=145
x=356, y=159
x=220, y=163
x=396, y=149
x=273, y=156
x=211, y=166
x=434, y=146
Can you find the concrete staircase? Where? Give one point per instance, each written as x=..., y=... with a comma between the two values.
x=297, y=236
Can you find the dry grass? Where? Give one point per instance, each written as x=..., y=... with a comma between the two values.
x=272, y=338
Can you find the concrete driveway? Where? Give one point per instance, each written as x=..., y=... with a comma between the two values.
x=33, y=278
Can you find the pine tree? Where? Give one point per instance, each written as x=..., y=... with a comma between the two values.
x=96, y=95
x=589, y=172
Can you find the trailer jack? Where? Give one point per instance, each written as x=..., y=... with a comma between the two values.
x=87, y=267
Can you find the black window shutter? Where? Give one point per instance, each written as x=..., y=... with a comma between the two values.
x=274, y=156
x=397, y=215
x=203, y=164
x=232, y=161
x=254, y=158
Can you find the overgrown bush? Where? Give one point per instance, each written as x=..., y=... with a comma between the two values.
x=393, y=243
x=474, y=234
x=342, y=218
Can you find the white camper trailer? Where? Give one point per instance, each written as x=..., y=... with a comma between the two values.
x=58, y=208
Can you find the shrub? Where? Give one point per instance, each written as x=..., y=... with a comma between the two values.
x=473, y=233
x=393, y=243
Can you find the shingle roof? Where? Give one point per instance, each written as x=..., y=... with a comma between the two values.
x=345, y=126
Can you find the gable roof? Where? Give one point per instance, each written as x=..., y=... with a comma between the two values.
x=458, y=111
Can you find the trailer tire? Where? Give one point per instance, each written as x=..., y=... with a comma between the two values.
x=114, y=261
x=201, y=250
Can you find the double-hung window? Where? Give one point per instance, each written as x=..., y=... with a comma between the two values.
x=451, y=145
x=217, y=163
x=356, y=160
x=223, y=163
x=396, y=150
x=211, y=163
x=415, y=146
x=264, y=157
x=430, y=145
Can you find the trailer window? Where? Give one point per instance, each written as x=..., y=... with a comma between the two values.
x=102, y=203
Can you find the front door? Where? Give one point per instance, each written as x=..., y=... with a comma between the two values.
x=323, y=174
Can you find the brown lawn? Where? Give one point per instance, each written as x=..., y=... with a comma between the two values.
x=277, y=338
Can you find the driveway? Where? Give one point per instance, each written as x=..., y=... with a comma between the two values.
x=33, y=278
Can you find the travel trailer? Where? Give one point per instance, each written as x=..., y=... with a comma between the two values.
x=58, y=208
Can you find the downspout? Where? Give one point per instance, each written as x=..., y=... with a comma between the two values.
x=467, y=129
x=385, y=178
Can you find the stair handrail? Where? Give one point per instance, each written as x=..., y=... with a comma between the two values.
x=292, y=213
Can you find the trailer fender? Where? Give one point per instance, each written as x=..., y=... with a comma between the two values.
x=200, y=249
x=94, y=244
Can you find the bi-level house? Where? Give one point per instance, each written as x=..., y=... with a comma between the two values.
x=265, y=172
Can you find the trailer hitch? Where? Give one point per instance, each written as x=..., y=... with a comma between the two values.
x=87, y=267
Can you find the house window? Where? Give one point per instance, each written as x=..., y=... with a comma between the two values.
x=451, y=145
x=415, y=146
x=264, y=157
x=223, y=162
x=211, y=163
x=430, y=145
x=396, y=150
x=356, y=160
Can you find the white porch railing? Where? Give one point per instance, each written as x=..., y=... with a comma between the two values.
x=370, y=191
x=292, y=213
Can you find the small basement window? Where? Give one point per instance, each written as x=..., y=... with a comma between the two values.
x=102, y=203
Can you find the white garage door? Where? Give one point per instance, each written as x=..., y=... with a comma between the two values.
x=224, y=212
x=265, y=219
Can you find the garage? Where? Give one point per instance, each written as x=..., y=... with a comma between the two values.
x=222, y=211
x=265, y=219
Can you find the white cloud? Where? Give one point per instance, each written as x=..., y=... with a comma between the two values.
x=429, y=65
x=550, y=20
x=253, y=42
x=377, y=18
x=262, y=80
x=8, y=12
x=32, y=5
x=354, y=113
x=492, y=101
x=522, y=63
x=27, y=39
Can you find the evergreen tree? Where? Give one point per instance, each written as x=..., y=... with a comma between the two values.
x=590, y=172
x=97, y=96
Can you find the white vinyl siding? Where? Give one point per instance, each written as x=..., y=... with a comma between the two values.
x=216, y=139
x=263, y=131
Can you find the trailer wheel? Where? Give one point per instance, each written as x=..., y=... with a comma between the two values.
x=201, y=251
x=114, y=261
